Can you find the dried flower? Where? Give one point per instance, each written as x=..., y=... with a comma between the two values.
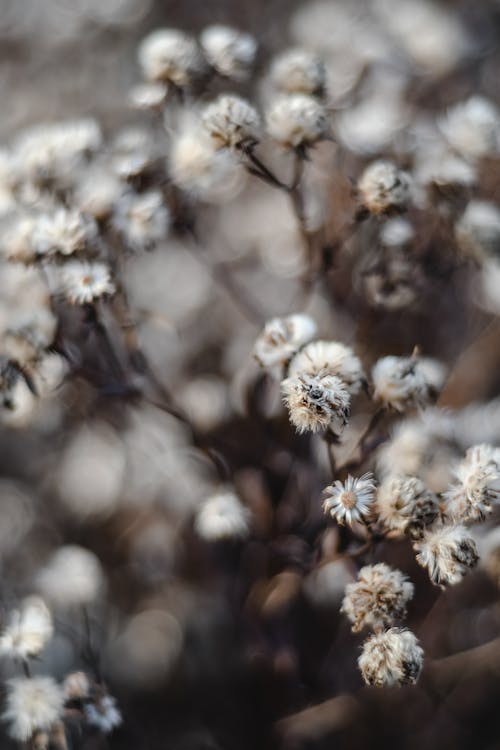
x=478, y=230
x=171, y=56
x=391, y=658
x=316, y=402
x=384, y=188
x=222, y=516
x=297, y=120
x=472, y=127
x=352, y=500
x=64, y=232
x=32, y=704
x=229, y=51
x=299, y=71
x=378, y=598
x=405, y=504
x=401, y=382
x=231, y=122
x=142, y=218
x=477, y=485
x=103, y=713
x=72, y=576
x=330, y=358
x=447, y=552
x=82, y=282
x=28, y=631
x=76, y=686
x=148, y=96
x=281, y=338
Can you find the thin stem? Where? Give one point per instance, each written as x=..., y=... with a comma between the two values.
x=297, y=201
x=259, y=169
x=363, y=448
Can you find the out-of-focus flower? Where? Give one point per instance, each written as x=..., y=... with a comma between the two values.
x=222, y=516
x=299, y=71
x=28, y=631
x=73, y=576
x=143, y=219
x=103, y=713
x=384, y=188
x=82, y=282
x=76, y=686
x=378, y=598
x=281, y=338
x=476, y=486
x=32, y=704
x=231, y=122
x=329, y=358
x=229, y=51
x=97, y=191
x=448, y=553
x=148, y=96
x=396, y=232
x=478, y=230
x=391, y=658
x=297, y=120
x=64, y=232
x=405, y=504
x=171, y=56
x=316, y=402
x=350, y=501
x=402, y=382
x=472, y=127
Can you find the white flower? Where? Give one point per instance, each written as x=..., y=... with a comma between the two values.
x=297, y=120
x=316, y=402
x=133, y=153
x=32, y=704
x=142, y=218
x=64, y=232
x=83, y=282
x=478, y=230
x=352, y=500
x=229, y=51
x=477, y=485
x=299, y=71
x=72, y=576
x=405, y=504
x=171, y=56
x=97, y=191
x=148, y=96
x=222, y=516
x=391, y=658
x=396, y=232
x=472, y=127
x=378, y=598
x=447, y=552
x=76, y=686
x=28, y=631
x=330, y=358
x=231, y=122
x=103, y=713
x=383, y=188
x=282, y=337
x=401, y=382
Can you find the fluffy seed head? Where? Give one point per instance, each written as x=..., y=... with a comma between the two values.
x=229, y=51
x=405, y=504
x=76, y=686
x=384, y=188
x=83, y=282
x=103, y=713
x=28, y=631
x=299, y=71
x=281, y=338
x=472, y=127
x=316, y=402
x=72, y=577
x=478, y=230
x=448, y=553
x=171, y=56
x=231, y=122
x=222, y=516
x=378, y=598
x=297, y=120
x=142, y=219
x=330, y=358
x=391, y=658
x=401, y=382
x=477, y=485
x=64, y=232
x=350, y=501
x=32, y=704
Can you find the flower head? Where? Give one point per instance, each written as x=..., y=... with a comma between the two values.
x=83, y=282
x=103, y=713
x=316, y=402
x=299, y=71
x=297, y=120
x=229, y=51
x=76, y=686
x=448, y=553
x=171, y=56
x=401, y=382
x=391, y=658
x=32, y=704
x=472, y=127
x=72, y=576
x=28, y=631
x=405, y=504
x=281, y=338
x=384, y=188
x=231, y=122
x=477, y=485
x=352, y=500
x=64, y=232
x=378, y=598
x=222, y=516
x=478, y=230
x=142, y=218
x=330, y=358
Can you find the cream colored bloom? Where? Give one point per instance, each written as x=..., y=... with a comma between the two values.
x=231, y=122
x=391, y=658
x=103, y=713
x=297, y=120
x=447, y=552
x=28, y=631
x=82, y=282
x=229, y=51
x=405, y=504
x=222, y=516
x=299, y=71
x=143, y=219
x=402, y=382
x=378, y=598
x=73, y=576
x=171, y=56
x=472, y=127
x=476, y=487
x=281, y=338
x=383, y=188
x=330, y=358
x=64, y=232
x=316, y=402
x=32, y=704
x=352, y=500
